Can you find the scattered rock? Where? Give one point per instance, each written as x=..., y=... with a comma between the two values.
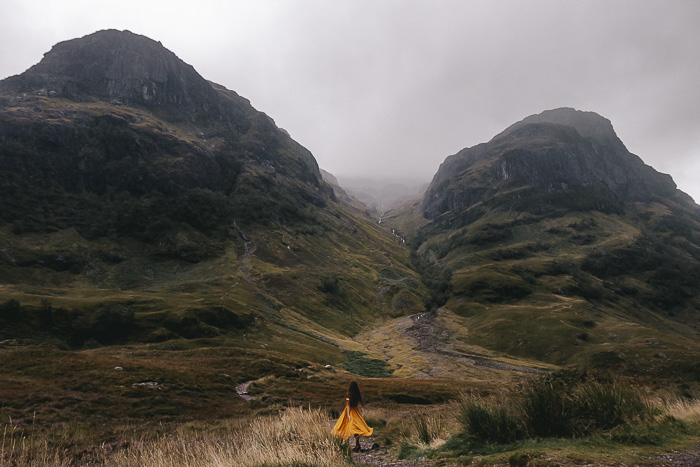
x=148, y=385
x=660, y=355
x=118, y=368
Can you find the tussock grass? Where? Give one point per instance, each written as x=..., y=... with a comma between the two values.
x=572, y=420
x=687, y=410
x=607, y=405
x=489, y=421
x=428, y=427
x=16, y=448
x=554, y=407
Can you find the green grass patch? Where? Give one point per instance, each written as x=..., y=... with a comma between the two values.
x=362, y=365
x=628, y=444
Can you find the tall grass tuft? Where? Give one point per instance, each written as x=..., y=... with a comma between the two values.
x=17, y=448
x=488, y=421
x=607, y=405
x=687, y=410
x=427, y=427
x=548, y=408
x=295, y=437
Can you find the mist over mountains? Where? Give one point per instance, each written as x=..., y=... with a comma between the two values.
x=382, y=194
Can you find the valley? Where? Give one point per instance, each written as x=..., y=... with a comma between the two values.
x=176, y=270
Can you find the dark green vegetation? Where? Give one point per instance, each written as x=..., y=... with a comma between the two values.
x=554, y=407
x=359, y=364
x=557, y=244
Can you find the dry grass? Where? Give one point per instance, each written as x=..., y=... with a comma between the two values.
x=18, y=449
x=683, y=409
x=423, y=427
x=294, y=436
x=429, y=428
x=297, y=435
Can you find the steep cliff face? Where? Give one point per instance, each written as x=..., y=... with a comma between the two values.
x=119, y=67
x=567, y=153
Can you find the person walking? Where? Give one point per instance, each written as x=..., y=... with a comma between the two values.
x=351, y=422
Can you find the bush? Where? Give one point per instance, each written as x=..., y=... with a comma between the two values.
x=45, y=315
x=329, y=285
x=113, y=322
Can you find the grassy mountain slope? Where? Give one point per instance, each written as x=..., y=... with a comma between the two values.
x=156, y=222
x=555, y=243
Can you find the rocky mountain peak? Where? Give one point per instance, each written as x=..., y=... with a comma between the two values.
x=118, y=67
x=587, y=124
x=561, y=152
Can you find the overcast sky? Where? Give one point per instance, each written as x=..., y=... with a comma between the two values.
x=392, y=87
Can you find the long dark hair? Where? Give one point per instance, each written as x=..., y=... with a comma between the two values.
x=354, y=396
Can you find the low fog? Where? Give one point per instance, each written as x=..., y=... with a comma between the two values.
x=387, y=90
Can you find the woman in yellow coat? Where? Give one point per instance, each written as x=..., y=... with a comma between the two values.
x=350, y=421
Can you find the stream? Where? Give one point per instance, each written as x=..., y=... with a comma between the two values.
x=242, y=390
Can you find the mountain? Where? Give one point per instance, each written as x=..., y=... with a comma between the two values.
x=115, y=112
x=560, y=152
x=556, y=243
x=143, y=203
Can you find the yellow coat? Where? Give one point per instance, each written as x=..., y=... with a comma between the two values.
x=351, y=423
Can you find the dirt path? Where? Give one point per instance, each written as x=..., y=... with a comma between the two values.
x=682, y=459
x=373, y=454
